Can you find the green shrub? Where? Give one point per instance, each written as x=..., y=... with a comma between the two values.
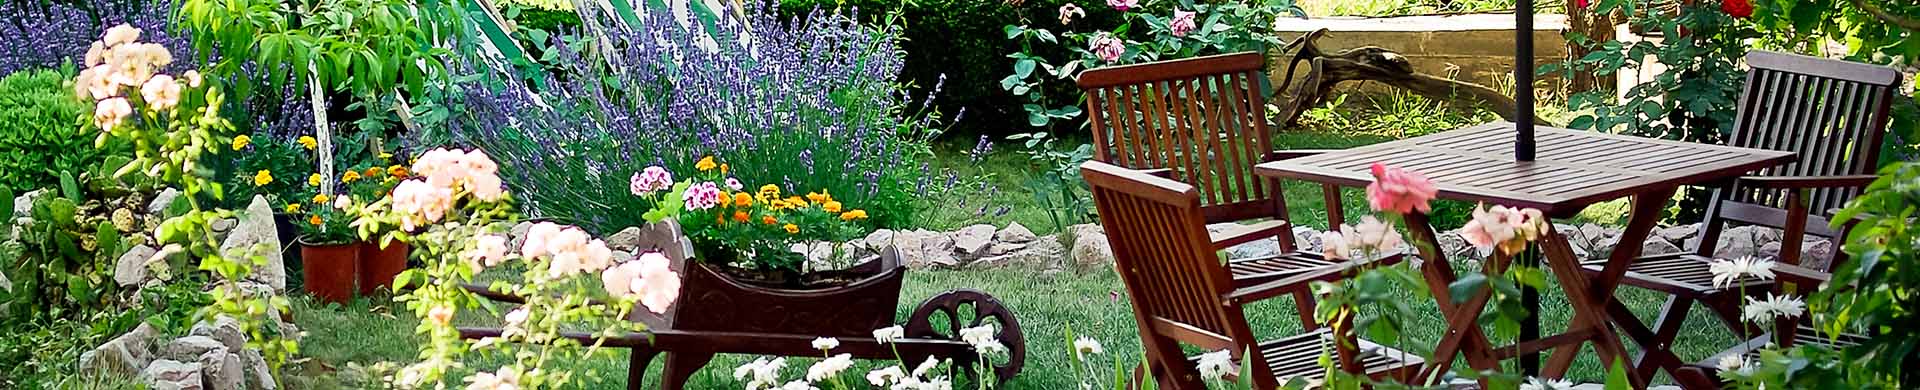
x=40, y=130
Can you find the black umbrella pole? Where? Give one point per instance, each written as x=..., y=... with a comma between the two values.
x=1523, y=80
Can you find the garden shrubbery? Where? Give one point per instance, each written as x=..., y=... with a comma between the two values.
x=40, y=132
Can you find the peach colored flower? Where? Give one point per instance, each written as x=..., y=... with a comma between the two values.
x=1334, y=246
x=161, y=93
x=1399, y=191
x=650, y=278
x=109, y=113
x=488, y=250
x=96, y=54
x=440, y=315
x=1506, y=229
x=122, y=33
x=1373, y=236
x=421, y=203
x=98, y=82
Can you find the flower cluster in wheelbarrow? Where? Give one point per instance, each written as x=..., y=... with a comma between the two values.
x=753, y=225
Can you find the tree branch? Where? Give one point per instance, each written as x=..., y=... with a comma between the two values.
x=1889, y=17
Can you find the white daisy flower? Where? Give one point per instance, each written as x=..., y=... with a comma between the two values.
x=1726, y=272
x=889, y=334
x=1765, y=311
x=826, y=343
x=1216, y=365
x=1086, y=346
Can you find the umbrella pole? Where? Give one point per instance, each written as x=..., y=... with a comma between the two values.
x=1523, y=80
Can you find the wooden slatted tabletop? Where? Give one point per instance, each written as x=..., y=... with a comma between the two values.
x=1574, y=169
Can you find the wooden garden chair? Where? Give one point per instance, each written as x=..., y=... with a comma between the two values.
x=1202, y=121
x=1182, y=294
x=1705, y=375
x=1834, y=115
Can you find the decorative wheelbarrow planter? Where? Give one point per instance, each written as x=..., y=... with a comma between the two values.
x=718, y=314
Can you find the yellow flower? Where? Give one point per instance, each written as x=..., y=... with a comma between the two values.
x=820, y=197
x=768, y=192
x=796, y=201
x=831, y=206
x=792, y=229
x=315, y=220
x=853, y=215
x=742, y=200
x=309, y=142
x=384, y=156
x=350, y=176
x=397, y=171
x=375, y=171
x=321, y=198
x=705, y=164
x=293, y=207
x=241, y=141
x=263, y=177
x=313, y=180
x=723, y=169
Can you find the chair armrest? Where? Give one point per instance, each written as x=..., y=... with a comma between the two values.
x=1164, y=173
x=1278, y=155
x=1794, y=182
x=1800, y=275
x=1249, y=294
x=1252, y=233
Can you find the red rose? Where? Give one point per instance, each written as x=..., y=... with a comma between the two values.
x=1580, y=3
x=1740, y=9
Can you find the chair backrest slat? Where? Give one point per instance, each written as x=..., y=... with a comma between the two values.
x=1833, y=113
x=1162, y=251
x=1202, y=118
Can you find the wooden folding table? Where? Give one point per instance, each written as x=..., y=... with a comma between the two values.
x=1573, y=170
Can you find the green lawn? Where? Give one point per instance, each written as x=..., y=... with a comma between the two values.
x=1046, y=304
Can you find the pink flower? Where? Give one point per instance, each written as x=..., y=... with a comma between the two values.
x=1506, y=229
x=1399, y=191
x=1123, y=5
x=1182, y=23
x=650, y=278
x=1373, y=236
x=453, y=169
x=537, y=236
x=420, y=203
x=122, y=33
x=567, y=250
x=1108, y=48
x=734, y=184
x=701, y=196
x=1070, y=11
x=192, y=77
x=109, y=113
x=650, y=180
x=1334, y=246
x=440, y=315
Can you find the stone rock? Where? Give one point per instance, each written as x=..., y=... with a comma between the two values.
x=1255, y=249
x=222, y=370
x=124, y=355
x=1736, y=243
x=1593, y=234
x=173, y=375
x=1677, y=233
x=1655, y=246
x=922, y=248
x=223, y=225
x=1002, y=248
x=627, y=239
x=259, y=376
x=1087, y=229
x=224, y=329
x=1815, y=253
x=131, y=269
x=1014, y=233
x=189, y=348
x=879, y=239
x=158, y=207
x=972, y=241
x=517, y=236
x=1306, y=238
x=256, y=228
x=1043, y=251
x=621, y=257
x=23, y=204
x=1091, y=250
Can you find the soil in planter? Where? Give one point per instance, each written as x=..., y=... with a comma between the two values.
x=793, y=280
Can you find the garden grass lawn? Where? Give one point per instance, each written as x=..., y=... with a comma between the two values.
x=374, y=329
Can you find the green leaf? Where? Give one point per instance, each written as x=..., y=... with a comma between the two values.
x=71, y=188
x=1466, y=286
x=1014, y=31
x=1023, y=68
x=1037, y=119
x=1617, y=377
x=6, y=197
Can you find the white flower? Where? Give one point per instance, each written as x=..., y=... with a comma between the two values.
x=889, y=334
x=162, y=93
x=1546, y=384
x=829, y=368
x=1373, y=236
x=517, y=316
x=977, y=335
x=1086, y=346
x=1734, y=364
x=122, y=33
x=826, y=343
x=990, y=347
x=882, y=377
x=925, y=367
x=1771, y=308
x=505, y=379
x=1726, y=272
x=1335, y=246
x=765, y=372
x=1216, y=365
x=735, y=184
x=799, y=385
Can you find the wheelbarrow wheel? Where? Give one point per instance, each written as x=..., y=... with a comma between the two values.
x=945, y=314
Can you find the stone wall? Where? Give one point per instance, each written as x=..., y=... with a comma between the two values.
x=1476, y=48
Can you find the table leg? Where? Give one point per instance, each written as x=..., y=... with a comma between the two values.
x=1464, y=335
x=1591, y=298
x=1530, y=326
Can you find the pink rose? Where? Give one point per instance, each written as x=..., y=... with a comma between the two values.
x=650, y=277
x=1123, y=5
x=1399, y=191
x=1182, y=23
x=1108, y=48
x=1070, y=11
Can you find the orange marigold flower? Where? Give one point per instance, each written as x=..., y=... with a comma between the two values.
x=350, y=176
x=792, y=229
x=705, y=164
x=742, y=200
x=768, y=220
x=819, y=197
x=853, y=215
x=724, y=168
x=797, y=201
x=741, y=216
x=315, y=220
x=374, y=171
x=831, y=206
x=397, y=171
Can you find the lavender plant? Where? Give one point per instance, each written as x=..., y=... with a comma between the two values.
x=48, y=34
x=806, y=104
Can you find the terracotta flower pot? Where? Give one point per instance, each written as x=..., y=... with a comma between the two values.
x=329, y=270
x=378, y=266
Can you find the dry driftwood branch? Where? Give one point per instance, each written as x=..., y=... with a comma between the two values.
x=1372, y=63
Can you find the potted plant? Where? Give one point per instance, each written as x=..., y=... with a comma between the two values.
x=379, y=260
x=328, y=248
